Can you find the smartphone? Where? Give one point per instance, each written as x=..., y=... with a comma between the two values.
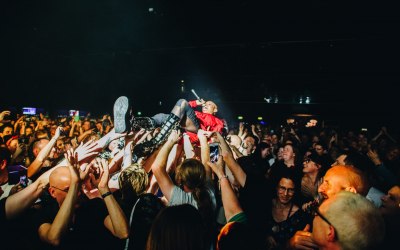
x=214, y=152
x=23, y=181
x=15, y=173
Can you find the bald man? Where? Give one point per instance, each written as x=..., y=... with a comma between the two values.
x=336, y=179
x=75, y=223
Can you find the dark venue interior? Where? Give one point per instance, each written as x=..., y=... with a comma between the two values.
x=61, y=55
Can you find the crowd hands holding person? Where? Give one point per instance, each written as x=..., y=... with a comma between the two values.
x=126, y=182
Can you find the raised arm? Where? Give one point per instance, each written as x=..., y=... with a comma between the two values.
x=159, y=166
x=235, y=168
x=115, y=221
x=52, y=233
x=24, y=199
x=229, y=200
x=205, y=150
x=36, y=165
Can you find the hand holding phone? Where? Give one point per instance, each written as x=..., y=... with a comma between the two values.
x=214, y=152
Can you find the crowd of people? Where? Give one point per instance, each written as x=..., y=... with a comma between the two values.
x=185, y=180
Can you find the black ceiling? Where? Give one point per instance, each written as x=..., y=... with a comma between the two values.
x=83, y=54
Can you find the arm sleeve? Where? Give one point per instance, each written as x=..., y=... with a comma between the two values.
x=192, y=104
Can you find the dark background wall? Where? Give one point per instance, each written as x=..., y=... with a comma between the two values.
x=84, y=54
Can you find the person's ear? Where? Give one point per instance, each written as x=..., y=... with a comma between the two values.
x=351, y=189
x=52, y=192
x=332, y=234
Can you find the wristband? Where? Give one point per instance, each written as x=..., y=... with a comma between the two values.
x=219, y=181
x=222, y=177
x=106, y=194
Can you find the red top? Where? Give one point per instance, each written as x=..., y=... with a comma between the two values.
x=207, y=122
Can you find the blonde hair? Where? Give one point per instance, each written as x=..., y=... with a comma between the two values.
x=133, y=179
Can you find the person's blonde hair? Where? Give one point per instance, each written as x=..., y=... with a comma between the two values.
x=133, y=179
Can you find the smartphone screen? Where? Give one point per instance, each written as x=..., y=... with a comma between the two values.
x=23, y=181
x=214, y=152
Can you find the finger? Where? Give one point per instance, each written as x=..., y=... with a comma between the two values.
x=307, y=228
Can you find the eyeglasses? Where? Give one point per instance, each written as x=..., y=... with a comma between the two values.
x=316, y=212
x=283, y=189
x=63, y=190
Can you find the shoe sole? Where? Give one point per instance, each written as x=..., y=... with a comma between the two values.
x=121, y=112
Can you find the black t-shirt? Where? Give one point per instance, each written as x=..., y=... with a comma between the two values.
x=2, y=211
x=86, y=232
x=255, y=199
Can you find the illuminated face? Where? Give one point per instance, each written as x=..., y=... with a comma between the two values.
x=210, y=108
x=28, y=131
x=319, y=149
x=86, y=125
x=309, y=166
x=274, y=139
x=285, y=190
x=335, y=180
x=7, y=131
x=288, y=153
x=249, y=142
x=391, y=203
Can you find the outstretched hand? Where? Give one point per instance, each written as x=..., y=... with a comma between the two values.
x=4, y=113
x=86, y=152
x=78, y=173
x=218, y=167
x=100, y=176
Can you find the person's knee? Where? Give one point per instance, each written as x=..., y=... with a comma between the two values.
x=182, y=103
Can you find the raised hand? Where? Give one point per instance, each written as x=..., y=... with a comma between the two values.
x=174, y=136
x=78, y=173
x=86, y=152
x=218, y=167
x=4, y=113
x=58, y=132
x=302, y=240
x=101, y=176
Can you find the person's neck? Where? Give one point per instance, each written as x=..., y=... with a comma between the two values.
x=312, y=176
x=289, y=162
x=280, y=205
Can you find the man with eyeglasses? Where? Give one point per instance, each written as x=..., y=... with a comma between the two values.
x=75, y=223
x=347, y=221
x=336, y=179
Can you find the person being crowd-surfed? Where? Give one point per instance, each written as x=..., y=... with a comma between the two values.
x=182, y=115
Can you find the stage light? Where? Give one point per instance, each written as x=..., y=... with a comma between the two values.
x=259, y=118
x=240, y=117
x=139, y=113
x=308, y=100
x=268, y=100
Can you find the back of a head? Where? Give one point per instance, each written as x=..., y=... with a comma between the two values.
x=355, y=177
x=177, y=228
x=133, y=180
x=191, y=173
x=357, y=222
x=142, y=216
x=233, y=236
